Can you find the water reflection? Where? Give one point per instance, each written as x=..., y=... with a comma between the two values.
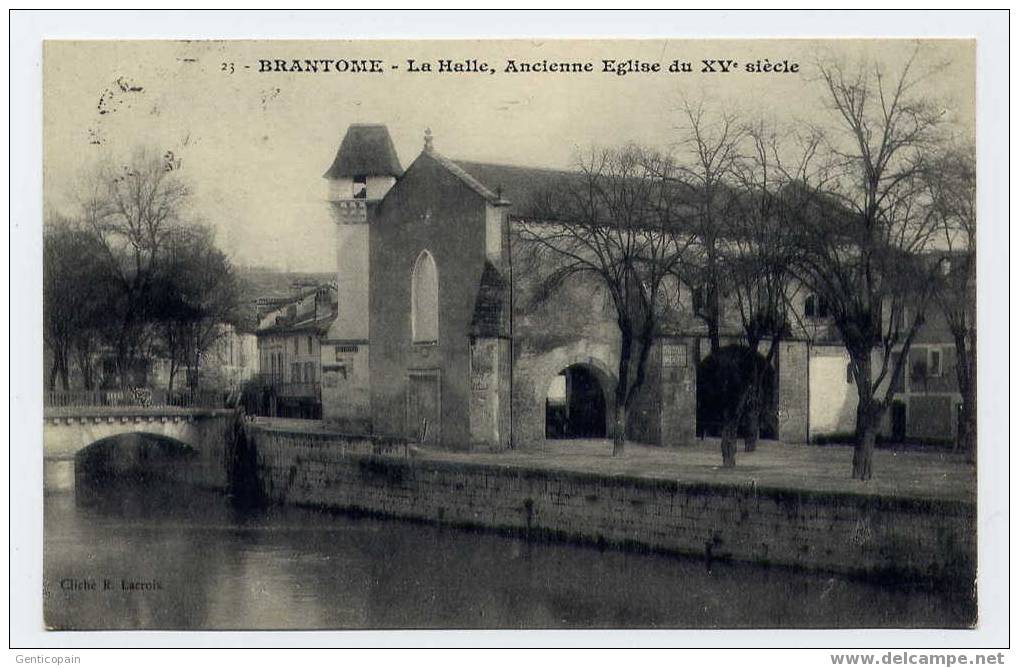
x=218, y=567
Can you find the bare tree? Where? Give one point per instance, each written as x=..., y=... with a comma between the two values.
x=131, y=210
x=711, y=147
x=74, y=289
x=135, y=274
x=709, y=150
x=58, y=300
x=194, y=294
x=865, y=232
x=758, y=254
x=951, y=184
x=607, y=225
x=212, y=292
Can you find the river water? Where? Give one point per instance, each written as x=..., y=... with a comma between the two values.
x=159, y=556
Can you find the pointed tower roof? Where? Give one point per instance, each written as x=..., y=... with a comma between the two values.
x=366, y=150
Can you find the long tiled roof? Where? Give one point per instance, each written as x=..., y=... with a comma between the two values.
x=511, y=184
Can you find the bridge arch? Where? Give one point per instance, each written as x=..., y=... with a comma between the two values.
x=69, y=432
x=131, y=456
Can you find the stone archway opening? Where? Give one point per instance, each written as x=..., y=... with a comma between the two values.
x=576, y=404
x=132, y=459
x=721, y=378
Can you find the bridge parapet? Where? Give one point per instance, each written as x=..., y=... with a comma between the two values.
x=138, y=397
x=69, y=430
x=112, y=414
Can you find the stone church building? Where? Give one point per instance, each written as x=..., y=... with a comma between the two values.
x=436, y=337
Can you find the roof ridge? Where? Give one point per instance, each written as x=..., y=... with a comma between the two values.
x=464, y=176
x=510, y=165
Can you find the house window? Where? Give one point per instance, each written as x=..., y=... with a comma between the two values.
x=295, y=346
x=295, y=373
x=309, y=345
x=424, y=300
x=309, y=372
x=815, y=307
x=360, y=187
x=934, y=362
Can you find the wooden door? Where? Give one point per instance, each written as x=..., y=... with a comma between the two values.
x=423, y=407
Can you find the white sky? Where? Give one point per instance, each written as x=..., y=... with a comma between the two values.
x=256, y=144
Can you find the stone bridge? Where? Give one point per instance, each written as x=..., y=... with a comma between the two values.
x=69, y=431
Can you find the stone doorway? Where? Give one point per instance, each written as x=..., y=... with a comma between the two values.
x=576, y=404
x=720, y=380
x=424, y=424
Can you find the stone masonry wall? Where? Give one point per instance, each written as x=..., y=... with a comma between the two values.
x=836, y=532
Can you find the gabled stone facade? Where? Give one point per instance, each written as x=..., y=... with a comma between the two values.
x=483, y=380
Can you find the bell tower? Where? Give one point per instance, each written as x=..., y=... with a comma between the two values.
x=365, y=168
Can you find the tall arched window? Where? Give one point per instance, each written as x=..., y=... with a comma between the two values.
x=424, y=300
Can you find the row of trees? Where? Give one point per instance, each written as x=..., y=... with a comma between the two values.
x=746, y=215
x=130, y=276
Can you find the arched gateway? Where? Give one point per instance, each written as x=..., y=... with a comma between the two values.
x=578, y=403
x=565, y=392
x=721, y=379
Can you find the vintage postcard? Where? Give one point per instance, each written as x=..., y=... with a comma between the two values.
x=509, y=334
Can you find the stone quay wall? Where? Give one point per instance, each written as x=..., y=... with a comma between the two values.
x=876, y=536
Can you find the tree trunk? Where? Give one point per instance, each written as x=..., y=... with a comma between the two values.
x=123, y=374
x=194, y=366
x=964, y=436
x=968, y=423
x=965, y=376
x=729, y=444
x=86, y=374
x=751, y=405
x=753, y=428
x=868, y=414
x=52, y=383
x=619, y=407
x=62, y=368
x=173, y=374
x=863, y=451
x=619, y=430
x=84, y=358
